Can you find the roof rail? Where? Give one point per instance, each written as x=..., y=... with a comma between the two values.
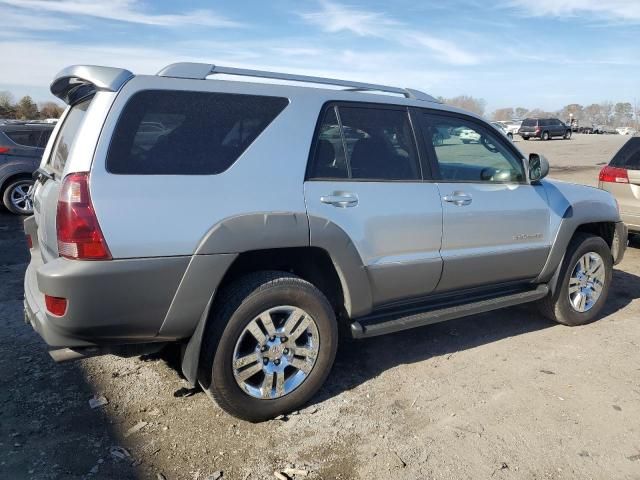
x=201, y=71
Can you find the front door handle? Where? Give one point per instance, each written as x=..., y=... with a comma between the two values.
x=342, y=200
x=458, y=198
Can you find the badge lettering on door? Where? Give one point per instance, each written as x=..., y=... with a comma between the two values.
x=527, y=236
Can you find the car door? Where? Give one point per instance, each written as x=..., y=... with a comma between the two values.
x=365, y=178
x=495, y=224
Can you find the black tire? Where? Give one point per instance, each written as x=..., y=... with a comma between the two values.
x=465, y=141
x=567, y=135
x=9, y=191
x=237, y=305
x=510, y=136
x=545, y=136
x=525, y=138
x=556, y=306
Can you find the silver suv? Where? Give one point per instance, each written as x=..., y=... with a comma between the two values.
x=250, y=222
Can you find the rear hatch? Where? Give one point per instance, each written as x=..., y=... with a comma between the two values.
x=622, y=177
x=529, y=126
x=50, y=178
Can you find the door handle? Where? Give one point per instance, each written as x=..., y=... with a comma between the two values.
x=342, y=200
x=458, y=198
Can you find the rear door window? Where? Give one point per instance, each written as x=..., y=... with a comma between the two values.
x=67, y=135
x=187, y=133
x=365, y=143
x=44, y=138
x=24, y=138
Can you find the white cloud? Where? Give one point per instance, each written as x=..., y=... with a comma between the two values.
x=624, y=10
x=333, y=18
x=14, y=20
x=129, y=11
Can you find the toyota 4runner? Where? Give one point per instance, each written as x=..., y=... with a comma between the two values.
x=250, y=222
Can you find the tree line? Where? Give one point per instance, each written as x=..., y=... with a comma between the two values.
x=27, y=109
x=620, y=114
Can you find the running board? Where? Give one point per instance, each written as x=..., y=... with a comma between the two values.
x=363, y=328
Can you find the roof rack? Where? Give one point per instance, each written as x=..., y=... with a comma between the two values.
x=201, y=71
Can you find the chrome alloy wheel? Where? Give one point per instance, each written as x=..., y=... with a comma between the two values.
x=20, y=196
x=276, y=352
x=586, y=282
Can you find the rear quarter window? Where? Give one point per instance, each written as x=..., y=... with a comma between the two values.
x=24, y=138
x=163, y=132
x=67, y=135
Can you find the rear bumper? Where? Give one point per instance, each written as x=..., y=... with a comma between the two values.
x=529, y=134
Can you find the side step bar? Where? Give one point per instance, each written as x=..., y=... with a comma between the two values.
x=364, y=330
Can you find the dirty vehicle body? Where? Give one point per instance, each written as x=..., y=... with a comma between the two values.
x=621, y=177
x=315, y=211
x=21, y=149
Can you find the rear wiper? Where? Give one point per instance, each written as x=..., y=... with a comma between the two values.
x=42, y=175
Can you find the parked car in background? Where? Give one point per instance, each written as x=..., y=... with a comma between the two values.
x=544, y=129
x=500, y=126
x=621, y=177
x=604, y=130
x=298, y=235
x=626, y=131
x=21, y=149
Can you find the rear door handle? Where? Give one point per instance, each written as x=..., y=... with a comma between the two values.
x=342, y=200
x=458, y=198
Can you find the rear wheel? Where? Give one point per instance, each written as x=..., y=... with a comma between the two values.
x=545, y=136
x=17, y=197
x=583, y=282
x=525, y=138
x=271, y=345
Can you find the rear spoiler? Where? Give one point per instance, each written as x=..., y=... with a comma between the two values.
x=79, y=81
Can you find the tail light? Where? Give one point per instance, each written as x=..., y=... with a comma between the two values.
x=613, y=175
x=4, y=150
x=79, y=234
x=55, y=305
x=29, y=241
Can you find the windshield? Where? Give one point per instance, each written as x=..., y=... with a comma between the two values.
x=67, y=135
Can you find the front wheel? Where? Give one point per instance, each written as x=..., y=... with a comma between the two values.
x=567, y=135
x=17, y=197
x=583, y=282
x=510, y=136
x=270, y=347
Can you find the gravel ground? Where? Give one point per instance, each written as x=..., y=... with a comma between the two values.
x=503, y=395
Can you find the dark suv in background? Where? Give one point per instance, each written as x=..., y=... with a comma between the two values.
x=21, y=148
x=544, y=129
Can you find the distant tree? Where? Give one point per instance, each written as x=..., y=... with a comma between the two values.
x=467, y=102
x=593, y=114
x=50, y=110
x=573, y=110
x=7, y=109
x=521, y=112
x=26, y=109
x=623, y=113
x=503, y=114
x=539, y=113
x=606, y=111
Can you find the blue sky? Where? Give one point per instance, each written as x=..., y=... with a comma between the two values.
x=530, y=53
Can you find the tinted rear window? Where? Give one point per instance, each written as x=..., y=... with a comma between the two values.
x=629, y=155
x=529, y=122
x=67, y=135
x=25, y=138
x=187, y=133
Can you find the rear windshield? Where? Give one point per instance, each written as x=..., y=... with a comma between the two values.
x=530, y=122
x=25, y=138
x=67, y=135
x=187, y=133
x=628, y=156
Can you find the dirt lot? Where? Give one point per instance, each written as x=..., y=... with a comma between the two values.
x=504, y=395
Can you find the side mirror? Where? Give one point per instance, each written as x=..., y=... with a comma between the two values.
x=538, y=167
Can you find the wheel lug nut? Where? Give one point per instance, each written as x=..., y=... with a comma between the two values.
x=271, y=339
x=264, y=348
x=286, y=351
x=277, y=362
x=283, y=339
x=265, y=361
